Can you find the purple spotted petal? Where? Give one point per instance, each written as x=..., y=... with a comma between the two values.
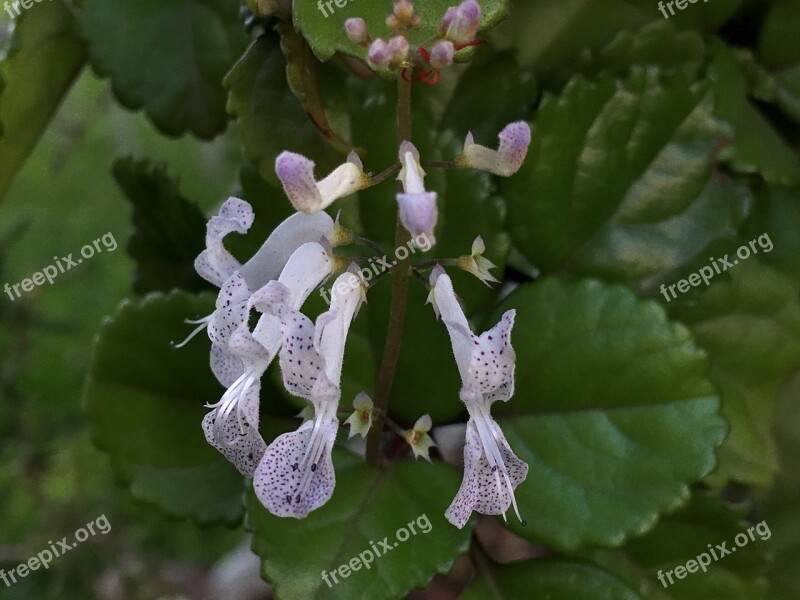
x=484, y=490
x=237, y=437
x=296, y=475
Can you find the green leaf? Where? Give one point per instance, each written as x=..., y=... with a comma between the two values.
x=145, y=403
x=618, y=182
x=656, y=44
x=548, y=34
x=515, y=90
x=169, y=229
x=556, y=579
x=757, y=147
x=45, y=56
x=683, y=536
x=303, y=80
x=777, y=46
x=167, y=57
x=324, y=28
x=367, y=507
x=271, y=119
x=612, y=411
x=750, y=324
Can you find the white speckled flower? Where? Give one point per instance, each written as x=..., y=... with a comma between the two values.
x=296, y=475
x=308, y=195
x=216, y=265
x=486, y=364
x=507, y=159
x=232, y=425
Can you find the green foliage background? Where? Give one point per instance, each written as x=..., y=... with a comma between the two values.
x=652, y=428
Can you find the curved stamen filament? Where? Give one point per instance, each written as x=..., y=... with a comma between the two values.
x=201, y=325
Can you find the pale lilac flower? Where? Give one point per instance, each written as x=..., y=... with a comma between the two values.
x=296, y=474
x=232, y=425
x=418, y=210
x=507, y=160
x=308, y=195
x=486, y=364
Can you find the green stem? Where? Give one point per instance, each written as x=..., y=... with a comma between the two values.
x=397, y=311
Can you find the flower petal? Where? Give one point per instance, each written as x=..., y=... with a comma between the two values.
x=290, y=481
x=269, y=262
x=237, y=437
x=215, y=264
x=296, y=173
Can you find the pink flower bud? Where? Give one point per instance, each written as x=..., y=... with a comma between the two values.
x=447, y=20
x=357, y=30
x=380, y=54
x=442, y=55
x=399, y=48
x=464, y=23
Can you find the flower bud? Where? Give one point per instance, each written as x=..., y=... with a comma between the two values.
x=357, y=31
x=464, y=22
x=400, y=50
x=379, y=55
x=442, y=55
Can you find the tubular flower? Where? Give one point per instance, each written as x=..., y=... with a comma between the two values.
x=418, y=210
x=507, y=160
x=296, y=474
x=486, y=364
x=216, y=265
x=308, y=195
x=232, y=425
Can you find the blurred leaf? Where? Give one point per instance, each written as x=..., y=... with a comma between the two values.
x=271, y=119
x=656, y=44
x=783, y=517
x=612, y=411
x=169, y=232
x=367, y=506
x=145, y=404
x=618, y=182
x=515, y=91
x=548, y=34
x=167, y=57
x=324, y=27
x=303, y=80
x=757, y=147
x=777, y=42
x=681, y=537
x=749, y=323
x=44, y=58
x=556, y=579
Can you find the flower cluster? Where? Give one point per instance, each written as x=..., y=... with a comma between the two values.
x=294, y=474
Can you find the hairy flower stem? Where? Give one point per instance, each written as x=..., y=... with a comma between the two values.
x=397, y=312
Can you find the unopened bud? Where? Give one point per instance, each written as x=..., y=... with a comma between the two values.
x=464, y=22
x=400, y=49
x=442, y=55
x=380, y=54
x=357, y=31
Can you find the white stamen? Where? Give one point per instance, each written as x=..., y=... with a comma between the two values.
x=201, y=323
